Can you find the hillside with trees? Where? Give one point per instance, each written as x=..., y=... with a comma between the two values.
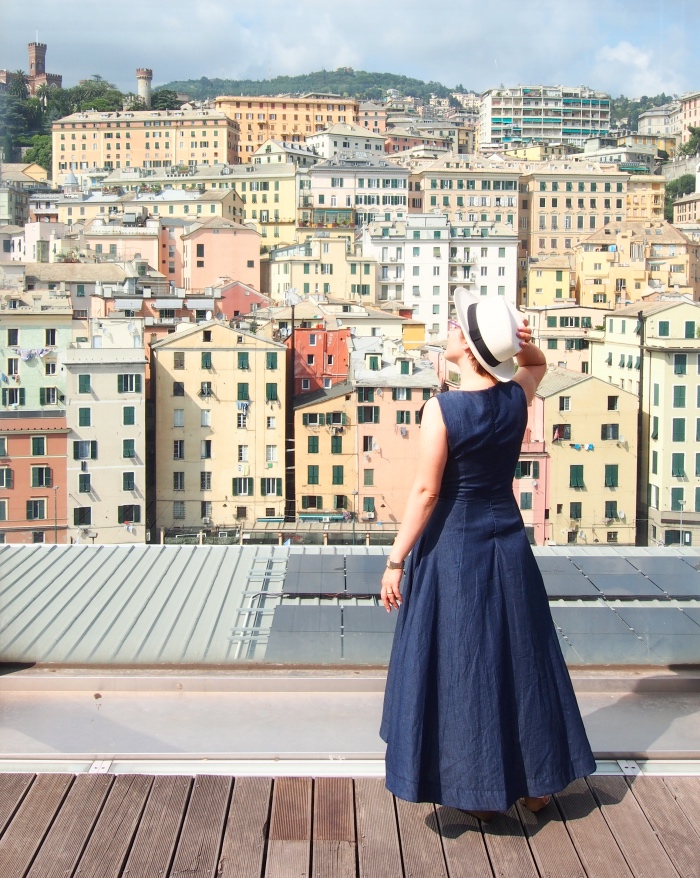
x=359, y=84
x=625, y=112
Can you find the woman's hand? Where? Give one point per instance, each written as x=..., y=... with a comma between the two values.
x=391, y=589
x=524, y=333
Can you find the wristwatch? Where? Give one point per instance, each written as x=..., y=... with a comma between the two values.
x=394, y=565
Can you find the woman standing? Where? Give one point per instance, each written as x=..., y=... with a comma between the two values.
x=479, y=709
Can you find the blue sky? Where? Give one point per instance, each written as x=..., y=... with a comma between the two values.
x=632, y=47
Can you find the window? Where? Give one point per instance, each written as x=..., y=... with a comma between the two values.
x=564, y=403
x=50, y=338
x=368, y=414
x=128, y=384
x=338, y=475
x=271, y=392
x=680, y=364
x=368, y=477
x=84, y=417
x=526, y=500
x=576, y=476
x=178, y=510
x=655, y=427
x=243, y=360
x=83, y=384
x=271, y=454
x=205, y=481
x=677, y=501
x=575, y=510
x=678, y=465
x=610, y=431
x=38, y=446
x=611, y=475
x=271, y=488
x=84, y=486
x=613, y=403
x=179, y=449
x=41, y=477
x=128, y=482
x=178, y=418
x=35, y=510
x=82, y=516
x=312, y=474
x=129, y=514
x=679, y=397
x=678, y=430
x=611, y=509
x=271, y=360
x=561, y=432
x=128, y=416
x=206, y=359
x=241, y=421
x=243, y=392
x=179, y=360
x=83, y=450
x=178, y=388
x=128, y=448
x=663, y=328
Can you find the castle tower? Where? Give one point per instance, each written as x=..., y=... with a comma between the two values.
x=144, y=75
x=37, y=59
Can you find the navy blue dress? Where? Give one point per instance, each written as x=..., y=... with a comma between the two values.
x=479, y=708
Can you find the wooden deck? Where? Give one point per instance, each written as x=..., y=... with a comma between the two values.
x=138, y=826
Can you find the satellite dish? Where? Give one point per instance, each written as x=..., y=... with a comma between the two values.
x=208, y=315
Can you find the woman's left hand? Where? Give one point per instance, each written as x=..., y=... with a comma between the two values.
x=524, y=333
x=391, y=589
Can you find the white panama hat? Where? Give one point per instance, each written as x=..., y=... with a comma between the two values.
x=490, y=326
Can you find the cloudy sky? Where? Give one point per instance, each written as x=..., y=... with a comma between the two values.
x=630, y=47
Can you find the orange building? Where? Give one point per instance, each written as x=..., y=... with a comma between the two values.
x=321, y=358
x=33, y=478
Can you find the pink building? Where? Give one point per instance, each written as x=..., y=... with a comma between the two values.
x=321, y=358
x=220, y=248
x=239, y=299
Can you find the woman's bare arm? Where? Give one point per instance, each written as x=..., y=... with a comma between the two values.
x=532, y=364
x=432, y=455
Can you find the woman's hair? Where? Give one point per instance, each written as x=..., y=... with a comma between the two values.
x=476, y=365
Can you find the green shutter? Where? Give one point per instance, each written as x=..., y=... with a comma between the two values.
x=129, y=416
x=4, y=396
x=93, y=450
x=120, y=384
x=120, y=515
x=304, y=502
x=22, y=396
x=263, y=492
x=279, y=487
x=518, y=471
x=137, y=386
x=234, y=487
x=29, y=511
x=678, y=464
x=42, y=396
x=535, y=469
x=375, y=414
x=678, y=434
x=321, y=419
x=611, y=475
x=83, y=417
x=251, y=487
x=76, y=453
x=576, y=476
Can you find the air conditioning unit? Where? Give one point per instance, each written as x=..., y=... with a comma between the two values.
x=370, y=516
x=326, y=519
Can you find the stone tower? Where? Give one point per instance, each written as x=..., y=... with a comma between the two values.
x=37, y=58
x=144, y=75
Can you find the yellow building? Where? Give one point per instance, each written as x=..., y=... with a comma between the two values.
x=322, y=266
x=561, y=331
x=190, y=204
x=539, y=152
x=142, y=138
x=625, y=261
x=220, y=428
x=591, y=431
x=657, y=356
x=284, y=117
x=645, y=197
x=550, y=281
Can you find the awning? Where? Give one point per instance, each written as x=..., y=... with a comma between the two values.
x=198, y=304
x=127, y=304
x=174, y=302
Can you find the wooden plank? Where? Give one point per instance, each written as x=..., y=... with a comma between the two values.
x=686, y=791
x=198, y=850
x=378, y=848
x=550, y=843
x=12, y=790
x=507, y=847
x=31, y=821
x=289, y=847
x=594, y=843
x=673, y=829
x=70, y=830
x=157, y=834
x=334, y=849
x=641, y=848
x=420, y=840
x=463, y=844
x=107, y=848
x=246, y=829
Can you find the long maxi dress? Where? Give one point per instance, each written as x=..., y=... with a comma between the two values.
x=479, y=707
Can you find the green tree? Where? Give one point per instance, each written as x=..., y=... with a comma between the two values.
x=676, y=189
x=692, y=147
x=18, y=86
x=165, y=99
x=40, y=151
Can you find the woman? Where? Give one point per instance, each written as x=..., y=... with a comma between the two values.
x=479, y=709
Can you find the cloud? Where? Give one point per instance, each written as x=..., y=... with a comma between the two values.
x=636, y=71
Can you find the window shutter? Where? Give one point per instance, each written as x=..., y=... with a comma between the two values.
x=120, y=515
x=22, y=395
x=137, y=383
x=279, y=487
x=394, y=393
x=343, y=419
x=30, y=511
x=321, y=419
x=93, y=450
x=251, y=487
x=304, y=502
x=319, y=503
x=48, y=477
x=408, y=393
x=376, y=414
x=4, y=396
x=360, y=415
x=120, y=384
x=234, y=487
x=263, y=492
x=42, y=396
x=136, y=511
x=305, y=420
x=535, y=469
x=518, y=471
x=9, y=478
x=76, y=453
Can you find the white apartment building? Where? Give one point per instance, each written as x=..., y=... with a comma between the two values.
x=343, y=137
x=422, y=258
x=106, y=417
x=663, y=120
x=542, y=114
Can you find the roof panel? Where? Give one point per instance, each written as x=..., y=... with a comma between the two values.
x=625, y=585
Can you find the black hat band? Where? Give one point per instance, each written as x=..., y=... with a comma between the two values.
x=477, y=340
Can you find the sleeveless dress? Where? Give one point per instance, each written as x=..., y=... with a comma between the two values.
x=479, y=708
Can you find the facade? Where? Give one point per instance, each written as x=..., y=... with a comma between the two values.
x=625, y=261
x=550, y=281
x=561, y=331
x=372, y=115
x=590, y=431
x=422, y=258
x=282, y=151
x=660, y=338
x=351, y=189
x=542, y=114
x=142, y=139
x=345, y=137
x=220, y=428
x=320, y=357
x=14, y=204
x=283, y=117
x=402, y=138
x=220, y=248
x=662, y=121
x=106, y=418
x=688, y=114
